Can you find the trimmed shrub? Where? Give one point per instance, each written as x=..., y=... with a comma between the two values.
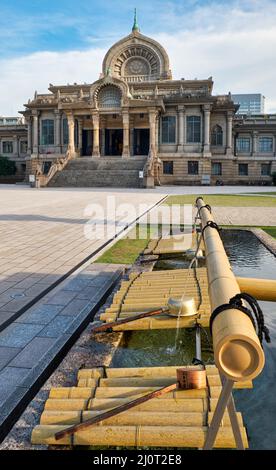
x=7, y=167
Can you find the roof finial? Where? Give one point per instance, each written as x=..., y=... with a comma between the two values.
x=135, y=26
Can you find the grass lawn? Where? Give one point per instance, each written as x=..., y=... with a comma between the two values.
x=270, y=230
x=269, y=193
x=225, y=200
x=126, y=250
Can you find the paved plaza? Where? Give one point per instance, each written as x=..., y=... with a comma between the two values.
x=42, y=238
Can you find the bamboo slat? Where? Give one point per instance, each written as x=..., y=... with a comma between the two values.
x=151, y=291
x=137, y=436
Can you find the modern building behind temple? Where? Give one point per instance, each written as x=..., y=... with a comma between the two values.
x=137, y=120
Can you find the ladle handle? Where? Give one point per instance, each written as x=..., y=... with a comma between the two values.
x=109, y=326
x=116, y=411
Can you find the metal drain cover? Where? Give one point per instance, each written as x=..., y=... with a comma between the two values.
x=17, y=296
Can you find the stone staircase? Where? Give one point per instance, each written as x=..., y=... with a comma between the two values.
x=101, y=172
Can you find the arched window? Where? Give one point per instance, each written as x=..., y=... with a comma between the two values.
x=109, y=97
x=217, y=136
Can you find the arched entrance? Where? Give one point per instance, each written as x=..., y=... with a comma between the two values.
x=141, y=141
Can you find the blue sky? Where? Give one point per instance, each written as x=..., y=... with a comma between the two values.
x=62, y=25
x=61, y=41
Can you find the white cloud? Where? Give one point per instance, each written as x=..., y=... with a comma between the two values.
x=20, y=77
x=235, y=44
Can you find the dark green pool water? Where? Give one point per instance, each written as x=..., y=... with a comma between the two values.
x=248, y=258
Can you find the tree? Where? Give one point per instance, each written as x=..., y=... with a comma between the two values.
x=7, y=167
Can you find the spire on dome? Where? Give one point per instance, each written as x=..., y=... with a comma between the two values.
x=135, y=26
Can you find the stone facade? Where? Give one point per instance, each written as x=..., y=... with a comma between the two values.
x=13, y=141
x=188, y=135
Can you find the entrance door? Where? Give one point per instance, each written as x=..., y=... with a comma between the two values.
x=141, y=142
x=114, y=142
x=87, y=142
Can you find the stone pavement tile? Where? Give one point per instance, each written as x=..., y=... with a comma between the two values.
x=17, y=304
x=36, y=289
x=17, y=277
x=74, y=307
x=32, y=353
x=5, y=285
x=27, y=283
x=41, y=314
x=83, y=315
x=6, y=355
x=4, y=317
x=11, y=377
x=76, y=283
x=100, y=279
x=56, y=327
x=62, y=298
x=51, y=278
x=90, y=292
x=50, y=356
x=10, y=401
x=18, y=335
x=14, y=292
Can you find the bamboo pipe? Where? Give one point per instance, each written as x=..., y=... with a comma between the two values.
x=237, y=350
x=73, y=392
x=261, y=289
x=137, y=436
x=155, y=418
x=127, y=418
x=161, y=323
x=108, y=414
x=213, y=380
x=135, y=392
x=104, y=404
x=155, y=371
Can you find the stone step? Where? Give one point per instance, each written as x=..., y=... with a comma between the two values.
x=104, y=172
x=105, y=164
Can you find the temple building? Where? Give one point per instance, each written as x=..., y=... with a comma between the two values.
x=136, y=126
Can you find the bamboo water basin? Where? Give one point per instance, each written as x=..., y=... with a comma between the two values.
x=177, y=244
x=177, y=419
x=151, y=290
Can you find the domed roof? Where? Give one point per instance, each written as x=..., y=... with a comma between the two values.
x=137, y=58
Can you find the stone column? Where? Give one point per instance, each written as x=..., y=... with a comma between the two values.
x=15, y=145
x=96, y=135
x=29, y=147
x=80, y=135
x=255, y=142
x=207, y=113
x=125, y=153
x=131, y=135
x=102, y=146
x=229, y=132
x=57, y=131
x=152, y=123
x=71, y=134
x=181, y=111
x=157, y=133
x=35, y=133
